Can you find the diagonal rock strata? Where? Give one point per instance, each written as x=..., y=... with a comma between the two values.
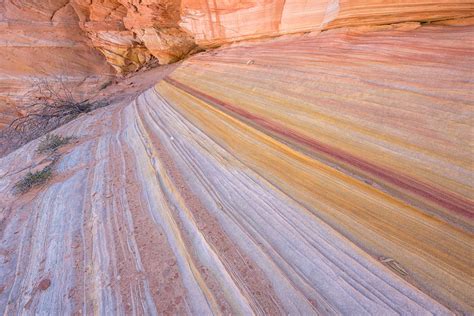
x=176, y=204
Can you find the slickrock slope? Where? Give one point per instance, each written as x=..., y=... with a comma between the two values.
x=328, y=174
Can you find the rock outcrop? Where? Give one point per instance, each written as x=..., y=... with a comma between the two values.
x=337, y=181
x=130, y=33
x=324, y=173
x=214, y=23
x=43, y=39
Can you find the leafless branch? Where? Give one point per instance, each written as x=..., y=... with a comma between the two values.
x=50, y=103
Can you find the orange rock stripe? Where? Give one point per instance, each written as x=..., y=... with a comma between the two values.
x=443, y=198
x=434, y=253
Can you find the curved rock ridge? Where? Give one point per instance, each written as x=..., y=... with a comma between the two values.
x=249, y=183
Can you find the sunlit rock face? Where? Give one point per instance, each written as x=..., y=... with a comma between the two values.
x=156, y=24
x=41, y=39
x=130, y=33
x=216, y=22
x=103, y=23
x=357, y=12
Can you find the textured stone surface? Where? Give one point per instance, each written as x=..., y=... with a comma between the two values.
x=156, y=23
x=217, y=22
x=40, y=39
x=337, y=181
x=102, y=20
x=366, y=104
x=130, y=33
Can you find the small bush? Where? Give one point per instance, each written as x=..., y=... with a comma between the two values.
x=50, y=103
x=52, y=142
x=105, y=84
x=31, y=180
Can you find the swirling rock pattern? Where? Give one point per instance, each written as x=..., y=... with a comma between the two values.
x=280, y=178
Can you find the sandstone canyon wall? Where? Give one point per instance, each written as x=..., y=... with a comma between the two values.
x=213, y=23
x=129, y=32
x=42, y=39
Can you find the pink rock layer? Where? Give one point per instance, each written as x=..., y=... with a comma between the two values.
x=41, y=38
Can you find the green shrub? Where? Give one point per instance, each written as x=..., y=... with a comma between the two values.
x=52, y=142
x=32, y=179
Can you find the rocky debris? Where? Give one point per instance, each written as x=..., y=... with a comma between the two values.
x=44, y=284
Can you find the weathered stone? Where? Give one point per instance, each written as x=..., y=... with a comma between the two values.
x=41, y=39
x=214, y=23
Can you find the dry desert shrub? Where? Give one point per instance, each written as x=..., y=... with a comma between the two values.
x=52, y=102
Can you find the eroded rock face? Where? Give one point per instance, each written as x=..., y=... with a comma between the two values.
x=41, y=39
x=72, y=37
x=216, y=22
x=156, y=24
x=356, y=12
x=102, y=20
x=130, y=33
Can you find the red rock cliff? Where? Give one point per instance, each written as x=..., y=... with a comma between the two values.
x=42, y=38
x=129, y=32
x=216, y=22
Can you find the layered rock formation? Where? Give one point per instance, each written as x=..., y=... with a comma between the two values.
x=214, y=23
x=129, y=33
x=71, y=38
x=322, y=174
x=337, y=181
x=43, y=39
